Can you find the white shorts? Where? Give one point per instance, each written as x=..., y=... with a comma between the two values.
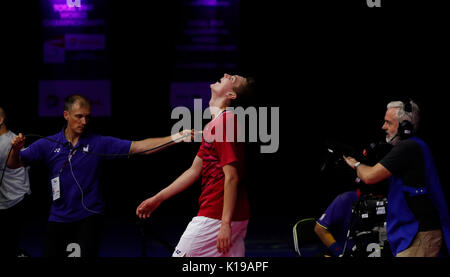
x=200, y=239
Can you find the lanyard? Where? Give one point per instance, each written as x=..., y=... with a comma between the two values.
x=72, y=153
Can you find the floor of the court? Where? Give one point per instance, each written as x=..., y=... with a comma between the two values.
x=156, y=237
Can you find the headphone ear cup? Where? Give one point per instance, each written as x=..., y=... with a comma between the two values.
x=405, y=129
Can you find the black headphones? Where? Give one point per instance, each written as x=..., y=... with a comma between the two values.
x=405, y=128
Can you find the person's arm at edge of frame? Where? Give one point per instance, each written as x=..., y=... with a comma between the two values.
x=229, y=203
x=325, y=236
x=327, y=239
x=185, y=180
x=17, y=144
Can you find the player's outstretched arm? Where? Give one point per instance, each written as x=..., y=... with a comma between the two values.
x=184, y=181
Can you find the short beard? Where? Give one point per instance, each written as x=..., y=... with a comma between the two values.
x=392, y=139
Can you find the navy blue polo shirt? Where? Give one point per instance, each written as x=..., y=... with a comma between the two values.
x=79, y=180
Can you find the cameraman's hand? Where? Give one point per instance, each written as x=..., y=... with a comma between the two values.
x=350, y=161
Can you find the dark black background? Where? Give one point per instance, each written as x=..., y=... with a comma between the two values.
x=331, y=67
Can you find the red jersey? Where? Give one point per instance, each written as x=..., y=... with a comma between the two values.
x=218, y=149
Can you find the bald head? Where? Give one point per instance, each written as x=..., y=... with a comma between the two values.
x=71, y=100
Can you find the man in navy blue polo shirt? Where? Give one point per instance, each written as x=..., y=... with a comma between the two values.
x=333, y=225
x=74, y=158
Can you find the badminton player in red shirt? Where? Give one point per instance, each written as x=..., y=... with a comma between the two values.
x=220, y=226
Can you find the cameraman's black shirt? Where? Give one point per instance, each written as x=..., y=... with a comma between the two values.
x=406, y=161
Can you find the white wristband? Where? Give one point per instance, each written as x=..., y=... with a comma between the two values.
x=356, y=165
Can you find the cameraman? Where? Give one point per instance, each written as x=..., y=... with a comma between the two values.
x=417, y=214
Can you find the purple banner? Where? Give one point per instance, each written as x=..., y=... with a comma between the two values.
x=53, y=92
x=183, y=94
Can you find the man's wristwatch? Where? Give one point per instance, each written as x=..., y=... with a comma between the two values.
x=356, y=165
